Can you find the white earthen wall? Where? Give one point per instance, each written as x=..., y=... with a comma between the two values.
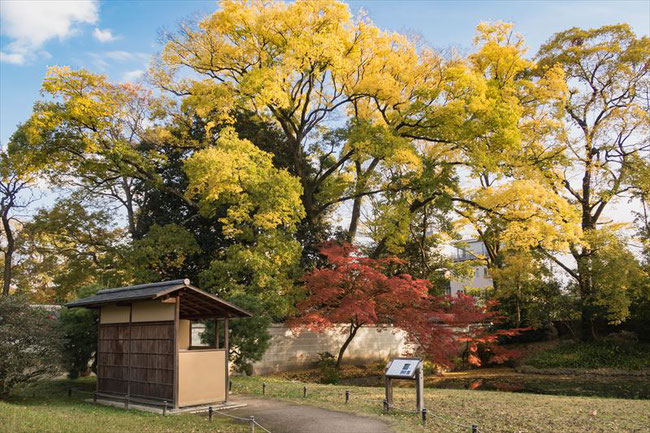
x=289, y=351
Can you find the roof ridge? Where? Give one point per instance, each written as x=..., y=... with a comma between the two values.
x=185, y=281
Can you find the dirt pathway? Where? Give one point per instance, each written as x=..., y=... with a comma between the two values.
x=284, y=417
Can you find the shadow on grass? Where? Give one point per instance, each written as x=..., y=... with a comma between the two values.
x=51, y=390
x=499, y=379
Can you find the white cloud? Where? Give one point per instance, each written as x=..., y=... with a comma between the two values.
x=121, y=56
x=102, y=60
x=104, y=35
x=15, y=58
x=29, y=24
x=133, y=75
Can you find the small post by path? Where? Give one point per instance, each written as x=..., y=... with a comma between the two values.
x=252, y=424
x=210, y=413
x=264, y=388
x=347, y=396
x=304, y=392
x=165, y=408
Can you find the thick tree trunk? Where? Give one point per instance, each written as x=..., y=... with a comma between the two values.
x=354, y=219
x=361, y=186
x=587, y=331
x=356, y=206
x=587, y=313
x=353, y=331
x=585, y=271
x=129, y=206
x=8, y=255
x=518, y=308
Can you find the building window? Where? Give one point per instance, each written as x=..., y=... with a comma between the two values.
x=203, y=335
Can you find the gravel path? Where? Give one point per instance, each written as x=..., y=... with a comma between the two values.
x=284, y=417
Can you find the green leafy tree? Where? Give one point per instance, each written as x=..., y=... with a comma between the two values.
x=92, y=134
x=263, y=208
x=16, y=194
x=249, y=337
x=163, y=253
x=67, y=247
x=79, y=327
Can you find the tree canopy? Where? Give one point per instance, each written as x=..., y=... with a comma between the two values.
x=268, y=129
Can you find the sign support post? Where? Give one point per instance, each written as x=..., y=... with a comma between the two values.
x=409, y=369
x=419, y=387
x=389, y=392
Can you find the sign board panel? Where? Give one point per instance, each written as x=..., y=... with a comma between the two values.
x=402, y=368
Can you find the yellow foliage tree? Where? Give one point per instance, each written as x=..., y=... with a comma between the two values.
x=604, y=145
x=307, y=65
x=90, y=133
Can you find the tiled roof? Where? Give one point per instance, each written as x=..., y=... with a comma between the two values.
x=143, y=292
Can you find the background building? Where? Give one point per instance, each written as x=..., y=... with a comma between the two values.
x=469, y=250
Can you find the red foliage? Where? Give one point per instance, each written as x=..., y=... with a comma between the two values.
x=357, y=290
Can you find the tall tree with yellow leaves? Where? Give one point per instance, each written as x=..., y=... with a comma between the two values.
x=605, y=143
x=309, y=66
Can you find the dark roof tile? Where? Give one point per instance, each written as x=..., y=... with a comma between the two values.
x=143, y=292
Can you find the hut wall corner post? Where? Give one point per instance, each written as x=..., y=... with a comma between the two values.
x=176, y=349
x=226, y=346
x=128, y=356
x=98, y=374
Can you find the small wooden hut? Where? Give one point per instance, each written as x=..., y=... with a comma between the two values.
x=147, y=351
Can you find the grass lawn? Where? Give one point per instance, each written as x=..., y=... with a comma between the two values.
x=492, y=411
x=47, y=409
x=586, y=384
x=599, y=354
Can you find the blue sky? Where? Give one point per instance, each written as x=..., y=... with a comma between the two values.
x=118, y=37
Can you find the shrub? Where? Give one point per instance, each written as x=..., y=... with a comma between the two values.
x=79, y=328
x=30, y=344
x=249, y=336
x=600, y=354
x=327, y=364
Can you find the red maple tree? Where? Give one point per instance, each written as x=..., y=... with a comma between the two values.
x=356, y=290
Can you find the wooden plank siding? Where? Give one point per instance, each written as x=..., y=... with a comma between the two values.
x=150, y=356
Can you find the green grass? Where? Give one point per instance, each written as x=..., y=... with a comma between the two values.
x=602, y=354
x=48, y=409
x=492, y=411
x=584, y=383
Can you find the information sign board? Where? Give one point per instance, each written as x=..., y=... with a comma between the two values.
x=402, y=368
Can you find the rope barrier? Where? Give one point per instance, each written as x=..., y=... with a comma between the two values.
x=262, y=427
x=473, y=428
x=209, y=410
x=248, y=420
